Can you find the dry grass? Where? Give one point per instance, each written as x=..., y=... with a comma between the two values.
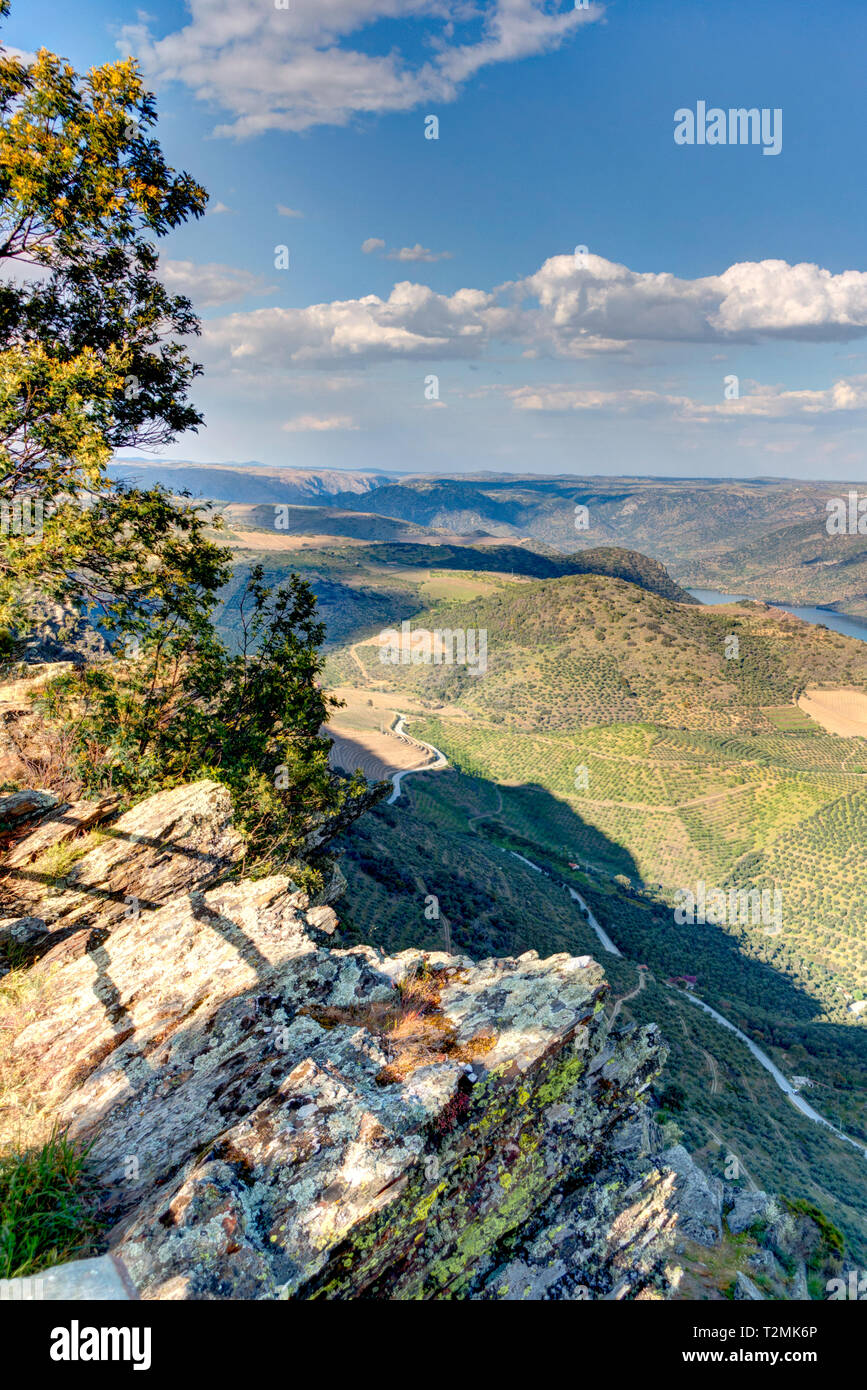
x=412, y=1026
x=23, y=1121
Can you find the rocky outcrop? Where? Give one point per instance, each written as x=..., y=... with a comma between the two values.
x=744, y=1209
x=745, y=1289
x=174, y=843
x=65, y=821
x=699, y=1198
x=268, y=1117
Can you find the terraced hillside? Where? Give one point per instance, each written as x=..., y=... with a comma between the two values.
x=613, y=741
x=588, y=650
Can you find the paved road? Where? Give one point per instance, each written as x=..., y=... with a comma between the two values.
x=440, y=762
x=785, y=1086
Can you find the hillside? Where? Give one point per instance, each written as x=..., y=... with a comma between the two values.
x=762, y=537
x=366, y=587
x=799, y=564
x=587, y=650
x=611, y=739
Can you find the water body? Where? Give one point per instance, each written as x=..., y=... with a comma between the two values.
x=837, y=622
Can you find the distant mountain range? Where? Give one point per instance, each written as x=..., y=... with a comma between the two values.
x=762, y=537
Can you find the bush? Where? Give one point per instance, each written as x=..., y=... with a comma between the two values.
x=184, y=707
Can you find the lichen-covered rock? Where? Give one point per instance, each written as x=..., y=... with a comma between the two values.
x=268, y=1117
x=744, y=1209
x=699, y=1198
x=344, y=1181
x=22, y=931
x=24, y=805
x=173, y=843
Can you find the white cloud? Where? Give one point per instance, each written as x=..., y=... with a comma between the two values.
x=288, y=212
x=413, y=322
x=404, y=253
x=564, y=310
x=418, y=253
x=757, y=402
x=586, y=294
x=294, y=68
x=219, y=208
x=22, y=54
x=318, y=423
x=212, y=283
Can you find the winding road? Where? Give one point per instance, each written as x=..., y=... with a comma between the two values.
x=440, y=762
x=761, y=1057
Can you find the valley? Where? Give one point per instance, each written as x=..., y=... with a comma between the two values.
x=629, y=742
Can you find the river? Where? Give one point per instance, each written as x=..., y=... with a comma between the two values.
x=837, y=622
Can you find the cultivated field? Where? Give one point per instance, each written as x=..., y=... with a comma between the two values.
x=842, y=712
x=362, y=737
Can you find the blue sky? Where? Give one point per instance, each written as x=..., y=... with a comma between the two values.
x=556, y=131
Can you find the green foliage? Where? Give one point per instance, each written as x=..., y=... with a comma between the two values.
x=46, y=1214
x=183, y=707
x=92, y=346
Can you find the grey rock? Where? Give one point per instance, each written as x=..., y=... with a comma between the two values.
x=800, y=1292
x=23, y=931
x=745, y=1289
x=699, y=1198
x=24, y=805
x=100, y=1280
x=746, y=1209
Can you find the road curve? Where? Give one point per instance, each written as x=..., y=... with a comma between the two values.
x=761, y=1057
x=440, y=762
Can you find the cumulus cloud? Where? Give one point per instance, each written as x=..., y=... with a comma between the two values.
x=373, y=243
x=585, y=294
x=413, y=322
x=570, y=308
x=211, y=284
x=296, y=67
x=288, y=212
x=219, y=208
x=316, y=423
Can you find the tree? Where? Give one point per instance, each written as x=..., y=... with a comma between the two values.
x=92, y=356
x=84, y=190
x=181, y=706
